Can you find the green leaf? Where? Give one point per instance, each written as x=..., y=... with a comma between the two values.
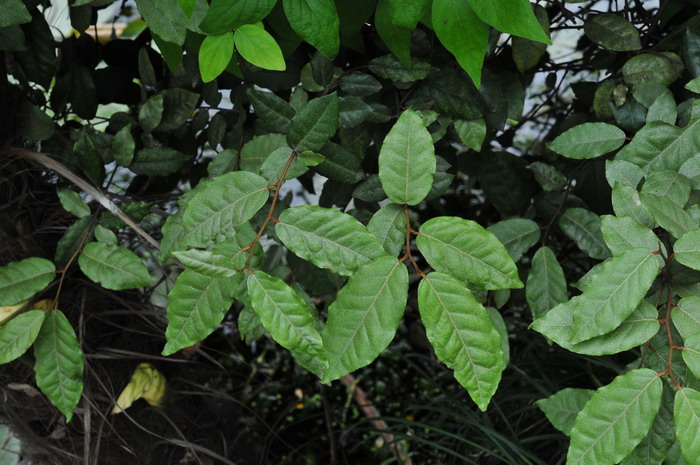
x=465, y=250
x=588, y=140
x=686, y=316
x=155, y=14
x=18, y=334
x=72, y=202
x=196, y=305
x=471, y=132
x=123, y=146
x=563, y=407
x=546, y=284
x=364, y=317
x=397, y=39
x=214, y=55
x=686, y=415
x=668, y=215
x=518, y=235
x=547, y=176
x=512, y=17
x=623, y=172
x=59, y=363
x=316, y=21
x=613, y=32
x=258, y=47
x=221, y=262
x=652, y=450
x=389, y=67
x=500, y=325
x=255, y=151
x=105, y=235
x=626, y=202
x=359, y=84
x=157, y=161
x=151, y=113
x=463, y=34
x=216, y=211
x=353, y=112
x=624, y=233
x=388, y=224
x=407, y=160
x=37, y=125
x=615, y=419
x=691, y=353
x=462, y=334
x=113, y=267
x=687, y=249
x=583, y=227
x=71, y=240
x=662, y=67
x=328, y=238
x=178, y=107
x=285, y=315
x=407, y=14
x=225, y=15
x=315, y=123
x=21, y=280
x=340, y=165
x=276, y=112
x=310, y=158
x=13, y=12
x=613, y=293
x=691, y=170
x=527, y=53
x=370, y=189
x=669, y=184
x=187, y=6
x=273, y=166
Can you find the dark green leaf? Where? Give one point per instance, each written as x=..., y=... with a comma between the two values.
x=314, y=124
x=389, y=67
x=359, y=84
x=527, y=53
x=397, y=39
x=663, y=67
x=225, y=15
x=316, y=21
x=583, y=227
x=512, y=17
x=547, y=176
x=123, y=146
x=272, y=109
x=407, y=14
x=613, y=32
x=13, y=12
x=517, y=235
x=157, y=161
x=546, y=284
x=256, y=150
x=178, y=107
x=151, y=113
x=471, y=132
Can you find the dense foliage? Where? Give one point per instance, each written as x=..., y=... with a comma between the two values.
x=215, y=210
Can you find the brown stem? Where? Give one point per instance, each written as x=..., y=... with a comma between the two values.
x=409, y=255
x=65, y=269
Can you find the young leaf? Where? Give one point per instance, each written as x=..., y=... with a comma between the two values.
x=468, y=252
x=616, y=418
x=517, y=235
x=583, y=227
x=224, y=15
x=624, y=233
x=328, y=238
x=258, y=47
x=512, y=17
x=21, y=280
x=59, y=363
x=668, y=215
x=388, y=225
x=407, y=160
x=613, y=32
x=285, y=315
x=462, y=33
x=588, y=140
x=113, y=267
x=71, y=201
x=364, y=317
x=687, y=249
x=546, y=284
x=397, y=39
x=314, y=124
x=462, y=334
x=613, y=293
x=214, y=55
x=18, y=334
x=223, y=205
x=686, y=415
x=316, y=21
x=196, y=305
x=563, y=407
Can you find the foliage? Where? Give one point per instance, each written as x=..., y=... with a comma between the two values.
x=443, y=177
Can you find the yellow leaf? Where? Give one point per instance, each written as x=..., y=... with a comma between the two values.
x=146, y=383
x=8, y=311
x=45, y=304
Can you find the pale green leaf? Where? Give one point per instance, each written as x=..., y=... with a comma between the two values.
x=686, y=415
x=72, y=202
x=113, y=267
x=465, y=250
x=328, y=238
x=626, y=202
x=462, y=33
x=105, y=235
x=624, y=233
x=407, y=160
x=691, y=170
x=388, y=224
x=669, y=184
x=221, y=262
x=687, y=249
x=274, y=164
x=18, y=334
x=613, y=293
x=255, y=151
x=223, y=205
x=21, y=280
x=686, y=316
x=615, y=419
x=214, y=55
x=462, y=334
x=518, y=235
x=623, y=172
x=364, y=317
x=613, y=32
x=196, y=305
x=668, y=215
x=546, y=284
x=471, y=132
x=285, y=315
x=693, y=85
x=588, y=140
x=224, y=15
x=583, y=227
x=563, y=407
x=314, y=124
x=512, y=17
x=59, y=363
x=691, y=353
x=316, y=21
x=258, y=47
